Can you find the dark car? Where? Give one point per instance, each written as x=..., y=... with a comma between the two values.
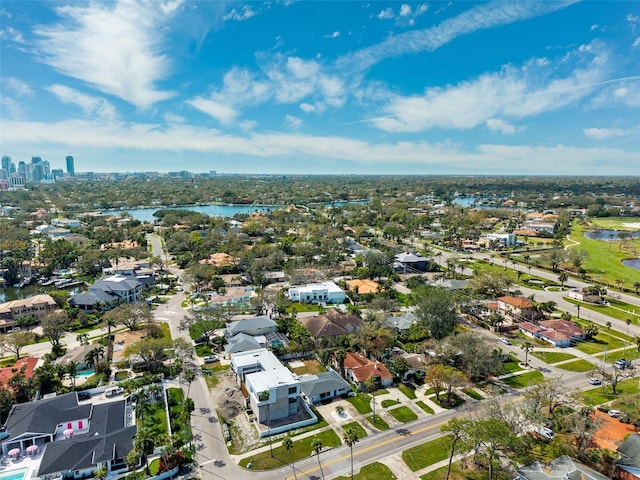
x=84, y=395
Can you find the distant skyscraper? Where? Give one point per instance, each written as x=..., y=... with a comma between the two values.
x=36, y=160
x=6, y=163
x=71, y=170
x=22, y=170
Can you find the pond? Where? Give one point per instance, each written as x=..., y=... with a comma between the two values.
x=608, y=234
x=632, y=262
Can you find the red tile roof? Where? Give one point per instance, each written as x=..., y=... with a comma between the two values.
x=519, y=302
x=8, y=372
x=564, y=326
x=363, y=369
x=529, y=327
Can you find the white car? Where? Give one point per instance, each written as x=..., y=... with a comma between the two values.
x=615, y=413
x=506, y=341
x=545, y=433
x=595, y=381
x=211, y=359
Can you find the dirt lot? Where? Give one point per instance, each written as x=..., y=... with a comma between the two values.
x=229, y=403
x=612, y=432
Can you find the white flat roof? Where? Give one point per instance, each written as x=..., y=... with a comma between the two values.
x=268, y=379
x=261, y=356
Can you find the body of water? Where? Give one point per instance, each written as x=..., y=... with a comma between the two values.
x=146, y=214
x=13, y=474
x=8, y=294
x=608, y=234
x=476, y=202
x=85, y=373
x=632, y=262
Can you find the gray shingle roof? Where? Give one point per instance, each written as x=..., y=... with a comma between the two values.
x=93, y=296
x=43, y=416
x=251, y=324
x=320, y=383
x=562, y=468
x=241, y=343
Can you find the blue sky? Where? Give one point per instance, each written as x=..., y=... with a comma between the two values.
x=526, y=87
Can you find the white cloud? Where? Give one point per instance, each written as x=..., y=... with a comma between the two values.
x=335, y=34
x=405, y=10
x=386, y=14
x=307, y=107
x=77, y=134
x=10, y=33
x=636, y=42
x=481, y=17
x=497, y=125
x=90, y=105
x=172, y=118
x=16, y=87
x=619, y=91
x=240, y=15
x=595, y=26
x=511, y=93
x=116, y=48
x=603, y=133
x=225, y=114
x=292, y=122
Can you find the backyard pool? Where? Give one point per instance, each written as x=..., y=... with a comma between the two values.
x=81, y=374
x=13, y=474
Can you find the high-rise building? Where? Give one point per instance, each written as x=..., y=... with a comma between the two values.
x=71, y=170
x=6, y=163
x=22, y=170
x=36, y=160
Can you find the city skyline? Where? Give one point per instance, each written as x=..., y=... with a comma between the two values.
x=312, y=87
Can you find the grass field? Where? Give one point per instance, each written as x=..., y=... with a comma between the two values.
x=599, y=343
x=524, y=380
x=577, y=366
x=403, y=414
x=616, y=309
x=552, y=357
x=512, y=365
x=407, y=390
x=389, y=403
x=600, y=395
x=378, y=422
x=473, y=394
x=425, y=407
x=361, y=402
x=357, y=427
x=426, y=454
x=301, y=449
x=373, y=471
x=605, y=256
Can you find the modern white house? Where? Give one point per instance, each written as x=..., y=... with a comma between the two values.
x=502, y=239
x=273, y=391
x=323, y=292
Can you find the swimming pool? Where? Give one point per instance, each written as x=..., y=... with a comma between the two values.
x=84, y=373
x=13, y=474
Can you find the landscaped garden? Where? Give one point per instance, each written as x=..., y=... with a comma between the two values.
x=361, y=432
x=425, y=407
x=524, y=380
x=576, y=366
x=604, y=394
x=426, y=454
x=378, y=422
x=551, y=357
x=361, y=402
x=403, y=414
x=408, y=390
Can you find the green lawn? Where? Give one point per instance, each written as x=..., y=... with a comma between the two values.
x=301, y=449
x=425, y=407
x=552, y=357
x=357, y=427
x=380, y=391
x=605, y=257
x=403, y=414
x=603, y=394
x=389, y=403
x=631, y=353
x=373, y=471
x=473, y=394
x=577, y=366
x=409, y=391
x=621, y=312
x=361, y=402
x=378, y=422
x=426, y=454
x=524, y=380
x=512, y=365
x=155, y=419
x=600, y=342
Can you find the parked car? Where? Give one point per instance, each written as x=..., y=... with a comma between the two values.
x=84, y=395
x=622, y=364
x=595, y=381
x=506, y=341
x=615, y=413
x=211, y=359
x=113, y=391
x=545, y=433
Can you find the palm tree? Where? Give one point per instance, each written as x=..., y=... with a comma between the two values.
x=189, y=376
x=350, y=438
x=108, y=322
x=263, y=397
x=144, y=442
x=636, y=286
x=72, y=369
x=563, y=277
x=101, y=472
x=92, y=358
x=316, y=444
x=287, y=443
x=527, y=347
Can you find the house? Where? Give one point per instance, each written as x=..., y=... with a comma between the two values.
x=233, y=296
x=29, y=365
x=401, y=323
x=322, y=292
x=107, y=293
x=408, y=262
x=516, y=308
x=561, y=468
x=220, y=260
x=76, y=438
x=359, y=370
x=323, y=386
x=628, y=466
x=273, y=391
x=417, y=363
x=139, y=269
x=36, y=306
x=276, y=276
x=331, y=324
x=251, y=326
x=582, y=296
x=363, y=287
x=241, y=343
x=560, y=333
x=501, y=240
x=65, y=222
x=76, y=355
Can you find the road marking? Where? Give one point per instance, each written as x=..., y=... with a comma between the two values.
x=366, y=449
